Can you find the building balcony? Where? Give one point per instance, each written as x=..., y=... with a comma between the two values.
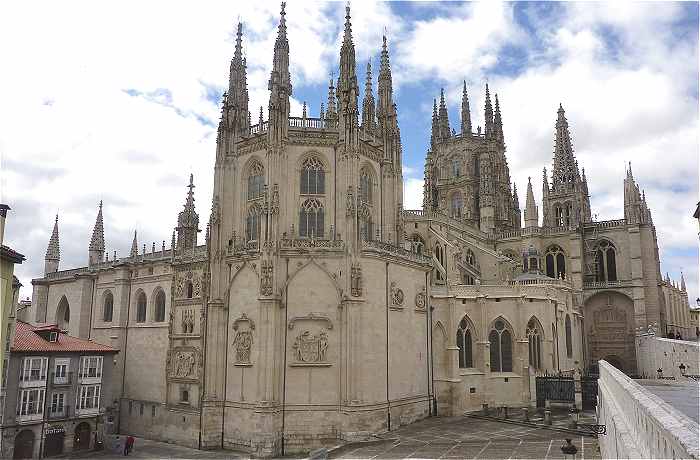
x=32, y=381
x=66, y=379
x=88, y=379
x=87, y=411
x=26, y=418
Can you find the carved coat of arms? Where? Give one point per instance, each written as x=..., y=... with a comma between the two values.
x=397, y=296
x=310, y=348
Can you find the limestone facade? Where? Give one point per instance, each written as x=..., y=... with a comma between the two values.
x=319, y=308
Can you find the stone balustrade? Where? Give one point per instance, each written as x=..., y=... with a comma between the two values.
x=390, y=249
x=638, y=423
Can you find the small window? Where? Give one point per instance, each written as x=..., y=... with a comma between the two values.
x=53, y=337
x=159, y=315
x=189, y=291
x=108, y=308
x=141, y=308
x=184, y=396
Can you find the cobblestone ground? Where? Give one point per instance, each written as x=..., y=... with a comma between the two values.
x=464, y=437
x=144, y=448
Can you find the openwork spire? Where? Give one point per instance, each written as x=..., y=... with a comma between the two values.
x=385, y=88
x=348, y=90
x=435, y=132
x=488, y=114
x=466, y=116
x=516, y=201
x=236, y=99
x=280, y=85
x=565, y=169
x=443, y=120
x=368, y=106
x=188, y=221
x=497, y=123
x=97, y=242
x=53, y=251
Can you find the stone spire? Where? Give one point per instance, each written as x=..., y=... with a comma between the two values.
x=435, y=133
x=466, y=116
x=443, y=120
x=488, y=114
x=236, y=101
x=280, y=85
x=97, y=242
x=385, y=88
x=368, y=106
x=517, y=223
x=497, y=123
x=565, y=168
x=636, y=209
x=134, y=247
x=348, y=89
x=188, y=221
x=531, y=214
x=53, y=251
x=331, y=112
x=683, y=282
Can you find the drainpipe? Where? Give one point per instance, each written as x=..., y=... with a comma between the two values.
x=126, y=343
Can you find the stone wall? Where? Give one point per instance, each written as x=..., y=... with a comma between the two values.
x=639, y=424
x=655, y=353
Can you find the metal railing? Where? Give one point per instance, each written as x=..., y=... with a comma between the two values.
x=64, y=412
x=66, y=379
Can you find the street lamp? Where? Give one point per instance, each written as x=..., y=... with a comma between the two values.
x=659, y=372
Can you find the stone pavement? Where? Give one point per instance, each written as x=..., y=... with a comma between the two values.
x=145, y=448
x=464, y=437
x=683, y=395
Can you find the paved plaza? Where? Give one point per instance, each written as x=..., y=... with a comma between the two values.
x=439, y=437
x=465, y=437
x=683, y=396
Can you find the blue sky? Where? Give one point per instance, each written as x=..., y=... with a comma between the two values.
x=120, y=103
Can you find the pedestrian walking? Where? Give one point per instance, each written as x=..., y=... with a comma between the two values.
x=129, y=445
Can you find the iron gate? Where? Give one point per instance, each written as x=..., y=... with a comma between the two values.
x=554, y=388
x=589, y=391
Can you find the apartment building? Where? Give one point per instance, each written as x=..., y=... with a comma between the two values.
x=58, y=393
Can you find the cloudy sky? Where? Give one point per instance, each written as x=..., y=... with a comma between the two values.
x=119, y=102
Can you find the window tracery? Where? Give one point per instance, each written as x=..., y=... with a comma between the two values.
x=312, y=177
x=555, y=262
x=256, y=181
x=311, y=219
x=501, y=348
x=464, y=343
x=605, y=262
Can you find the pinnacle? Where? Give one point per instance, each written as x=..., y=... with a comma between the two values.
x=282, y=28
x=134, y=247
x=347, y=35
x=53, y=251
x=97, y=242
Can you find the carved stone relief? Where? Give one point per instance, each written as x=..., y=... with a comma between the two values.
x=187, y=321
x=397, y=296
x=243, y=340
x=266, y=278
x=310, y=348
x=185, y=363
x=421, y=299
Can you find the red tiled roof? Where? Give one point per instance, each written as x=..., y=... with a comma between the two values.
x=27, y=340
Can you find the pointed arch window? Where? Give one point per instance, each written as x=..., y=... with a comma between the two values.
x=559, y=215
x=501, y=348
x=141, y=308
x=605, y=262
x=108, y=308
x=555, y=262
x=312, y=177
x=439, y=255
x=365, y=187
x=365, y=222
x=568, y=214
x=534, y=339
x=252, y=223
x=159, y=313
x=311, y=219
x=567, y=327
x=464, y=343
x=456, y=205
x=256, y=181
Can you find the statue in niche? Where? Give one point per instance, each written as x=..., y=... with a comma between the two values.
x=356, y=280
x=242, y=343
x=310, y=348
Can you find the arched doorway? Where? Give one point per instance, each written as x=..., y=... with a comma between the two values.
x=53, y=443
x=24, y=444
x=63, y=314
x=82, y=437
x=609, y=330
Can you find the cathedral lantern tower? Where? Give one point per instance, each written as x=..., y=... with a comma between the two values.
x=187, y=222
x=566, y=203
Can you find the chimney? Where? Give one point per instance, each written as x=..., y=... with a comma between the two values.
x=3, y=213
